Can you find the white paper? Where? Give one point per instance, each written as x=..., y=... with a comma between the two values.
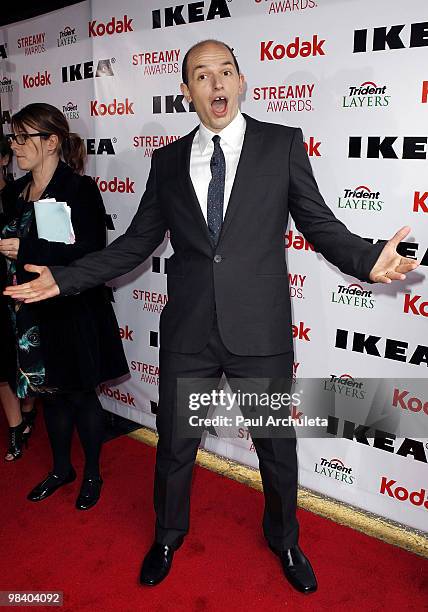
x=54, y=221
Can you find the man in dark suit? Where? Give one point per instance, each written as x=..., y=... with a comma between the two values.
x=224, y=191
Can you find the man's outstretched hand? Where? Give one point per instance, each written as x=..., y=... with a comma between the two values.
x=41, y=288
x=390, y=266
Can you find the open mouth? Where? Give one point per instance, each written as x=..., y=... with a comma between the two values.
x=219, y=106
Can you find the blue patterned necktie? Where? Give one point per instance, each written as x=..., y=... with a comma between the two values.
x=216, y=191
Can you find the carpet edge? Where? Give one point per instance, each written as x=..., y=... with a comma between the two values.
x=366, y=522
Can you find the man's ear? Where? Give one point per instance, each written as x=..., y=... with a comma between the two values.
x=185, y=91
x=241, y=84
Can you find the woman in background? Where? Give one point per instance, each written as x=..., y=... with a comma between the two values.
x=66, y=346
x=20, y=424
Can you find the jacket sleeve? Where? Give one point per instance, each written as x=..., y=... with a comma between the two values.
x=88, y=219
x=313, y=218
x=143, y=236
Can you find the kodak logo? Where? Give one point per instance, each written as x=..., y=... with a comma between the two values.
x=98, y=109
x=114, y=26
x=303, y=48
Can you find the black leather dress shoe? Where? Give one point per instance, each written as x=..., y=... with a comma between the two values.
x=49, y=485
x=297, y=569
x=89, y=493
x=157, y=563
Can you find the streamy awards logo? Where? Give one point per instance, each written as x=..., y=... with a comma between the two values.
x=156, y=63
x=285, y=97
x=149, y=142
x=152, y=301
x=148, y=372
x=273, y=7
x=296, y=284
x=33, y=44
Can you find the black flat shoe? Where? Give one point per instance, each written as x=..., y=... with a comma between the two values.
x=49, y=485
x=89, y=493
x=157, y=563
x=297, y=569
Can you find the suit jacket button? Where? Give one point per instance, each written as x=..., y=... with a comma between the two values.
x=217, y=258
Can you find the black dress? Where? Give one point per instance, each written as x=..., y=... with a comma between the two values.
x=7, y=339
x=76, y=339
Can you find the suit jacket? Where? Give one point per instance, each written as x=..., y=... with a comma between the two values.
x=244, y=279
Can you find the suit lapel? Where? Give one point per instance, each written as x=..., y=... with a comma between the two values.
x=187, y=185
x=248, y=162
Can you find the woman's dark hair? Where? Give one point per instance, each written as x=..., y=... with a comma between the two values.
x=5, y=149
x=47, y=118
x=185, y=76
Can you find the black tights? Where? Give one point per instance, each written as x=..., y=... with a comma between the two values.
x=62, y=413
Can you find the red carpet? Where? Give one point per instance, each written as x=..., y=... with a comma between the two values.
x=94, y=557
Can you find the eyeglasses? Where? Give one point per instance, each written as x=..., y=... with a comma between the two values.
x=21, y=138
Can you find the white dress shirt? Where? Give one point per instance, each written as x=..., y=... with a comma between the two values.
x=231, y=139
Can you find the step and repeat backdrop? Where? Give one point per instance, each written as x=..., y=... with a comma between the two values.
x=354, y=76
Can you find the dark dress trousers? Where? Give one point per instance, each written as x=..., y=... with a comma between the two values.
x=79, y=336
x=228, y=307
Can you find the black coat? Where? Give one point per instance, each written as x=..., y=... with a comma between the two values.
x=80, y=338
x=244, y=278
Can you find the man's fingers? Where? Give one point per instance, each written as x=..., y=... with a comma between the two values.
x=400, y=235
x=407, y=265
x=12, y=289
x=35, y=269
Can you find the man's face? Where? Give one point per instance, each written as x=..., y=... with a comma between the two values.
x=214, y=85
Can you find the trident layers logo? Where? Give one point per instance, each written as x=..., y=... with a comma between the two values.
x=353, y=295
x=366, y=95
x=67, y=36
x=345, y=385
x=336, y=469
x=6, y=85
x=71, y=111
x=361, y=198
